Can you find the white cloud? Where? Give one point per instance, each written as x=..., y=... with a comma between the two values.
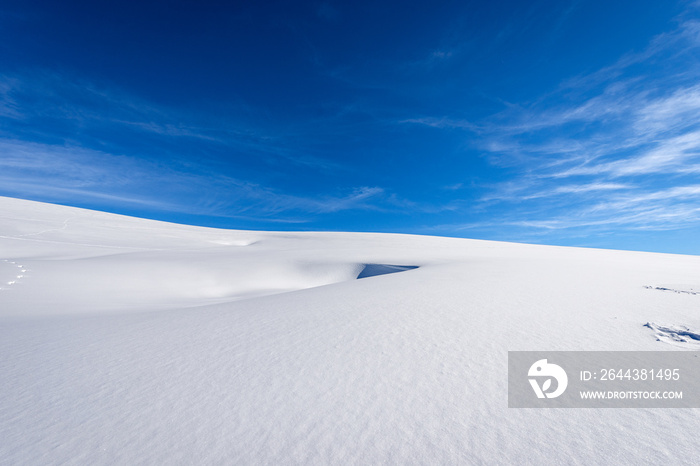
x=626, y=155
x=42, y=101
x=678, y=154
x=672, y=113
x=72, y=173
x=441, y=123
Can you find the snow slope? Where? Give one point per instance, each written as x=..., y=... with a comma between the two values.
x=128, y=341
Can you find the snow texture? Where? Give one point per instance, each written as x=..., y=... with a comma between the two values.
x=128, y=341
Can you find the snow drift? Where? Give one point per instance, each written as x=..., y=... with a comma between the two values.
x=128, y=341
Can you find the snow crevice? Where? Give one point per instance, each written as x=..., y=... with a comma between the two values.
x=373, y=270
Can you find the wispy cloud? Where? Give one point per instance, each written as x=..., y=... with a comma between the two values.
x=50, y=105
x=619, y=147
x=441, y=122
x=70, y=173
x=55, y=96
x=679, y=154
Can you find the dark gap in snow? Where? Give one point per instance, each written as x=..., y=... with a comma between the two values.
x=372, y=270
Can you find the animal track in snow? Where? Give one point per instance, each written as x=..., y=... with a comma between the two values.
x=686, y=289
x=15, y=273
x=676, y=335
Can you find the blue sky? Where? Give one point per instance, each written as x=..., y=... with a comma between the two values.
x=558, y=122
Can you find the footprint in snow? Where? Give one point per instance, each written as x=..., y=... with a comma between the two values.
x=14, y=268
x=678, y=289
x=676, y=335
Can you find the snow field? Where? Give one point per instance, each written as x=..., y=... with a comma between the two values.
x=138, y=342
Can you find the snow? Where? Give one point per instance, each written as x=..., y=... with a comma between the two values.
x=129, y=341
